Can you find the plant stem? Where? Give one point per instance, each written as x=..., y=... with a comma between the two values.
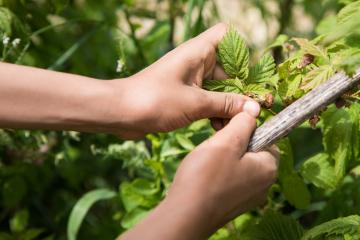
x=284, y=20
x=305, y=107
x=134, y=38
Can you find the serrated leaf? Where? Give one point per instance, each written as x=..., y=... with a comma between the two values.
x=310, y=48
x=339, y=126
x=257, y=89
x=319, y=171
x=263, y=70
x=348, y=11
x=293, y=187
x=234, y=55
x=290, y=87
x=228, y=85
x=275, y=226
x=317, y=76
x=337, y=227
x=82, y=207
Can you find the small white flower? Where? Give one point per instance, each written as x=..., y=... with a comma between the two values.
x=120, y=65
x=6, y=40
x=16, y=42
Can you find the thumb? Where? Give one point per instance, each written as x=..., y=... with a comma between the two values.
x=227, y=105
x=238, y=132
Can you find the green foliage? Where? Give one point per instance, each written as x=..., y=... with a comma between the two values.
x=82, y=207
x=319, y=171
x=275, y=226
x=257, y=80
x=50, y=180
x=234, y=55
x=335, y=228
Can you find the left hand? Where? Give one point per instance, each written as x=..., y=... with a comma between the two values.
x=168, y=94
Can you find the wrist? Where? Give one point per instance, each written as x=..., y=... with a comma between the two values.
x=94, y=108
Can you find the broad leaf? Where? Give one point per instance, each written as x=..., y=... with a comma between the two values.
x=337, y=227
x=319, y=171
x=275, y=226
x=348, y=11
x=263, y=70
x=293, y=187
x=310, y=48
x=339, y=128
x=82, y=207
x=295, y=190
x=229, y=85
x=317, y=76
x=234, y=55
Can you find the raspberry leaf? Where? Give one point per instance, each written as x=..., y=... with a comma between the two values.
x=228, y=85
x=319, y=171
x=263, y=70
x=234, y=55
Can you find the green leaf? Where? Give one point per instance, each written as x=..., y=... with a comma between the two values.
x=351, y=64
x=14, y=190
x=184, y=142
x=234, y=55
x=229, y=85
x=30, y=234
x=339, y=127
x=19, y=221
x=279, y=41
x=275, y=226
x=319, y=171
x=317, y=76
x=295, y=190
x=293, y=187
x=139, y=193
x=310, y=48
x=5, y=20
x=289, y=88
x=263, y=70
x=337, y=227
x=347, y=12
x=82, y=207
x=132, y=218
x=257, y=89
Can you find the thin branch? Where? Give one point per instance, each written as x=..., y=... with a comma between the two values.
x=134, y=38
x=295, y=114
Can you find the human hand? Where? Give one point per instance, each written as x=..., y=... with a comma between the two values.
x=216, y=182
x=168, y=95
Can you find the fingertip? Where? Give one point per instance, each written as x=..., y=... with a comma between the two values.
x=252, y=108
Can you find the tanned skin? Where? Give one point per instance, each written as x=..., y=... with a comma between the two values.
x=215, y=183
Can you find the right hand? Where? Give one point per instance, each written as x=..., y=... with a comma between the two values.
x=221, y=179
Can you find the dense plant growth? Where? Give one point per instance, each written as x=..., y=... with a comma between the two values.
x=67, y=185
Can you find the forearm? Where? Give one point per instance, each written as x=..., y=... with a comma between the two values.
x=174, y=219
x=33, y=98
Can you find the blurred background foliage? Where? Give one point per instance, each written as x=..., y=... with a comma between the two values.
x=44, y=173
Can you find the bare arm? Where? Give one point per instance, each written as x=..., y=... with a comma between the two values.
x=33, y=98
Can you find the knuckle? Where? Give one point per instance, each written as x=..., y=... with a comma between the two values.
x=228, y=104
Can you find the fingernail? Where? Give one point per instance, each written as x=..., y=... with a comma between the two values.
x=252, y=108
